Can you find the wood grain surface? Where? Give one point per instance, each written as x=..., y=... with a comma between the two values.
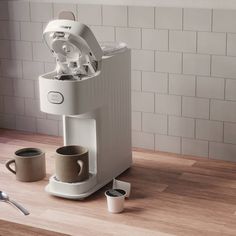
x=171, y=195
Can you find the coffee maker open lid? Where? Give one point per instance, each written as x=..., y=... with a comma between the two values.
x=71, y=38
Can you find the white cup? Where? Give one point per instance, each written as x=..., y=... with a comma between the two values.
x=115, y=200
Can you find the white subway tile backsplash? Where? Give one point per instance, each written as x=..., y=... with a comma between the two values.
x=136, y=80
x=168, y=104
x=26, y=123
x=178, y=67
x=7, y=121
x=223, y=110
x=143, y=140
x=223, y=66
x=49, y=66
x=36, y=89
x=10, y=30
x=230, y=133
x=24, y=88
x=142, y=101
x=154, y=82
x=136, y=120
x=90, y=14
x=195, y=107
x=5, y=50
x=211, y=43
x=142, y=60
x=14, y=30
x=59, y=7
x=1, y=104
x=4, y=13
x=141, y=16
x=194, y=147
x=42, y=53
x=168, y=18
x=224, y=20
x=230, y=89
x=47, y=126
x=115, y=15
x=104, y=33
x=231, y=44
x=4, y=32
x=222, y=151
x=210, y=87
x=19, y=10
x=154, y=123
x=41, y=11
x=32, y=70
x=21, y=50
x=11, y=69
x=32, y=109
x=53, y=117
x=168, y=62
x=197, y=19
x=166, y=143
x=181, y=126
x=209, y=130
x=14, y=105
x=155, y=39
x=182, y=41
x=60, y=132
x=131, y=36
x=31, y=31
x=196, y=64
x=6, y=87
x=182, y=84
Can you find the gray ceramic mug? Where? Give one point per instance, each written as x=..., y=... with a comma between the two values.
x=29, y=163
x=72, y=164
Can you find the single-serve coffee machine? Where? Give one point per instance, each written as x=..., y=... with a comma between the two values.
x=90, y=87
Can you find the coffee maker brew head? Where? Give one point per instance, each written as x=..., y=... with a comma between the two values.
x=75, y=48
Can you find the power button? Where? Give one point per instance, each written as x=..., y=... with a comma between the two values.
x=55, y=97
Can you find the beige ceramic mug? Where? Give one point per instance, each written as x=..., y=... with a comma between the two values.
x=72, y=164
x=29, y=164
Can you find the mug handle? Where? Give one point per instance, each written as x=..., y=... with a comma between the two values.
x=8, y=163
x=81, y=164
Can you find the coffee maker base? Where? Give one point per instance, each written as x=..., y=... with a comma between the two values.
x=78, y=190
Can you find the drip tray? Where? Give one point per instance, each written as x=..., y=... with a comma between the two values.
x=78, y=190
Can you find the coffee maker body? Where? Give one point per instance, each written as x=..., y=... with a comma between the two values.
x=92, y=92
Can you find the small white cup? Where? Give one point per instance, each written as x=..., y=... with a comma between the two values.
x=115, y=200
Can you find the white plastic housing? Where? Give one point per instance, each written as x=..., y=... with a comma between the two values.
x=96, y=107
x=79, y=34
x=97, y=115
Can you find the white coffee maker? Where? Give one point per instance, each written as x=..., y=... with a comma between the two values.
x=91, y=89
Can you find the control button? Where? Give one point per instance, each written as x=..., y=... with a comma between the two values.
x=55, y=97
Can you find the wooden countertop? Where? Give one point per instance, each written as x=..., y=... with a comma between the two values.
x=170, y=196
